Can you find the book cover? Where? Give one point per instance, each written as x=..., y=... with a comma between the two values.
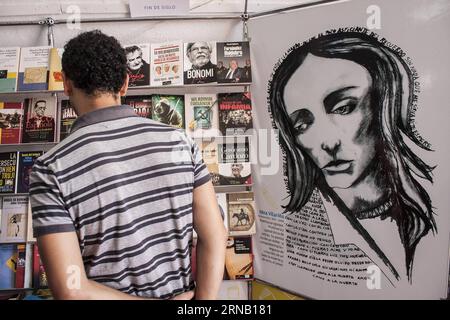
x=55, y=81
x=239, y=259
x=241, y=213
x=9, y=69
x=11, y=118
x=233, y=62
x=167, y=63
x=208, y=148
x=202, y=117
x=68, y=117
x=30, y=234
x=39, y=120
x=8, y=262
x=33, y=68
x=26, y=162
x=233, y=290
x=264, y=291
x=138, y=66
x=235, y=113
x=232, y=174
x=14, y=219
x=8, y=171
x=142, y=105
x=20, y=266
x=200, y=62
x=168, y=109
x=223, y=207
x=39, y=275
x=234, y=149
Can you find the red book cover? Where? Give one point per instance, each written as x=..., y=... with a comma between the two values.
x=11, y=115
x=36, y=264
x=20, y=268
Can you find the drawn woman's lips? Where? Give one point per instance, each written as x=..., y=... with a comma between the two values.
x=338, y=166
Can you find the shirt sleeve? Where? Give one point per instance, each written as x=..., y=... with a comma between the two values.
x=201, y=173
x=47, y=205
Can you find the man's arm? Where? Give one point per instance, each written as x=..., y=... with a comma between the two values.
x=66, y=275
x=211, y=243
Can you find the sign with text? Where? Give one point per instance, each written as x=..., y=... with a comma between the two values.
x=158, y=8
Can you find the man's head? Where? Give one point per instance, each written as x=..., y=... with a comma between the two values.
x=95, y=64
x=233, y=64
x=236, y=169
x=166, y=67
x=175, y=68
x=158, y=69
x=39, y=108
x=134, y=57
x=198, y=53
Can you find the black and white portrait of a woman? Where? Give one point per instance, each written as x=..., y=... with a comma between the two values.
x=342, y=103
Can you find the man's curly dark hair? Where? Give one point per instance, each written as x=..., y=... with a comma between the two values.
x=95, y=62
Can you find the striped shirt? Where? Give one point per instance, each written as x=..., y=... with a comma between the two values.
x=124, y=184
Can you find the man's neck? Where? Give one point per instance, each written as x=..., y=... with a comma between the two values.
x=84, y=103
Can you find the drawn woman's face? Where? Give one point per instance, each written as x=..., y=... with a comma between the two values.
x=328, y=102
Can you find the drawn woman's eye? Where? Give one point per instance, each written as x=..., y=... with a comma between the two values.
x=344, y=107
x=301, y=120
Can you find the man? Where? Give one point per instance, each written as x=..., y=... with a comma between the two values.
x=234, y=73
x=202, y=69
x=115, y=204
x=247, y=71
x=221, y=70
x=138, y=68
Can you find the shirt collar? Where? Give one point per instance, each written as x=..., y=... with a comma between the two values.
x=103, y=114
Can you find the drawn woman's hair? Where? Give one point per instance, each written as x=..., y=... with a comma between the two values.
x=392, y=100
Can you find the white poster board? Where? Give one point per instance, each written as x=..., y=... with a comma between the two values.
x=357, y=92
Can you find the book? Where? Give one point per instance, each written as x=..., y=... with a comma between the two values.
x=68, y=117
x=200, y=62
x=202, y=118
x=25, y=165
x=233, y=290
x=223, y=207
x=142, y=105
x=239, y=259
x=234, y=149
x=39, y=120
x=138, y=64
x=33, y=68
x=9, y=68
x=20, y=266
x=264, y=291
x=30, y=234
x=167, y=63
x=39, y=275
x=55, y=80
x=168, y=109
x=241, y=213
x=235, y=113
x=232, y=174
x=14, y=219
x=233, y=62
x=11, y=118
x=8, y=262
x=208, y=148
x=8, y=171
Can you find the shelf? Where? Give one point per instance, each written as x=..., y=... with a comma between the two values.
x=191, y=88
x=27, y=147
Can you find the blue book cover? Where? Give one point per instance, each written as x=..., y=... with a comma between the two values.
x=8, y=260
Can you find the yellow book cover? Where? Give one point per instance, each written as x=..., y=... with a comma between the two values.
x=263, y=291
x=55, y=78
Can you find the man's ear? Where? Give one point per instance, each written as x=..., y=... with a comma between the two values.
x=68, y=86
x=124, y=89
